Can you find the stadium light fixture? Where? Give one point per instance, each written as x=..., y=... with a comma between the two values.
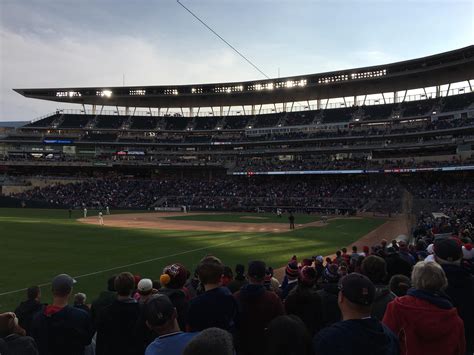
x=106, y=93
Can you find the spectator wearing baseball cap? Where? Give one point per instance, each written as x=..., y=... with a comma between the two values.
x=448, y=253
x=375, y=268
x=425, y=320
x=172, y=281
x=162, y=318
x=144, y=290
x=358, y=331
x=304, y=302
x=216, y=307
x=328, y=293
x=257, y=308
x=117, y=321
x=61, y=328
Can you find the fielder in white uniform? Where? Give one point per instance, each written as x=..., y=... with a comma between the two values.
x=85, y=212
x=101, y=219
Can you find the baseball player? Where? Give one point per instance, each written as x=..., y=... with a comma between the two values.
x=85, y=212
x=101, y=219
x=107, y=210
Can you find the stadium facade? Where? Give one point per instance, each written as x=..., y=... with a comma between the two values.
x=408, y=117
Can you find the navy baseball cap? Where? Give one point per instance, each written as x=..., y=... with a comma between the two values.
x=159, y=309
x=257, y=270
x=62, y=283
x=358, y=289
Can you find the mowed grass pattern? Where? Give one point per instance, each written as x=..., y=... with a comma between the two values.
x=248, y=218
x=35, y=245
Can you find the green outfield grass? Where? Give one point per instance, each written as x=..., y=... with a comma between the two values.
x=248, y=218
x=35, y=245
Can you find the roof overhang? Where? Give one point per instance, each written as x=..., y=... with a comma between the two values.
x=439, y=69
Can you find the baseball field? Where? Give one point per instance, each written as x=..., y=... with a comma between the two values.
x=37, y=244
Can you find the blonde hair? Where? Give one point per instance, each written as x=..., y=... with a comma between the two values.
x=428, y=276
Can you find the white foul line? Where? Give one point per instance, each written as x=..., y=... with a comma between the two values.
x=137, y=263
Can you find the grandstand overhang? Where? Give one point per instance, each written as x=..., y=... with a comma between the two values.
x=434, y=70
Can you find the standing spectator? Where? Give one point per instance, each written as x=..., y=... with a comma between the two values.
x=80, y=301
x=354, y=257
x=396, y=265
x=105, y=299
x=161, y=318
x=404, y=252
x=328, y=294
x=399, y=285
x=172, y=281
x=144, y=290
x=227, y=276
x=215, y=307
x=375, y=268
x=239, y=279
x=117, y=321
x=12, y=337
x=287, y=335
x=425, y=321
x=27, y=309
x=210, y=341
x=61, y=329
x=448, y=253
x=304, y=302
x=358, y=332
x=257, y=307
x=291, y=273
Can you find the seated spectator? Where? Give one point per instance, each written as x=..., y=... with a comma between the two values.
x=117, y=321
x=304, y=302
x=27, y=309
x=215, y=307
x=60, y=328
x=425, y=320
x=291, y=279
x=162, y=318
x=80, y=301
x=448, y=253
x=375, y=268
x=257, y=307
x=399, y=285
x=287, y=335
x=328, y=294
x=12, y=337
x=172, y=281
x=239, y=279
x=358, y=332
x=210, y=341
x=105, y=298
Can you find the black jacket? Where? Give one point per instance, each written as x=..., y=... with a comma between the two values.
x=15, y=344
x=116, y=327
x=66, y=332
x=331, y=312
x=25, y=313
x=461, y=292
x=306, y=304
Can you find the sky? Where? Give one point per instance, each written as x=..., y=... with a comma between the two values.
x=66, y=43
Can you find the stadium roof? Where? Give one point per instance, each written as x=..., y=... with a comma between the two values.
x=434, y=70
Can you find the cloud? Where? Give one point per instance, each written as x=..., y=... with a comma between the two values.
x=30, y=60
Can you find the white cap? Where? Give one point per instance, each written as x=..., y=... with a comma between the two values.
x=145, y=285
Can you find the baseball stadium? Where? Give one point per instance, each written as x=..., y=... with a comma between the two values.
x=319, y=176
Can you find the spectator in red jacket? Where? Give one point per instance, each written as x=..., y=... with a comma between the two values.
x=425, y=321
x=257, y=308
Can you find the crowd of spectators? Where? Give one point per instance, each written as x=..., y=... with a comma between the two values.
x=389, y=298
x=217, y=194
